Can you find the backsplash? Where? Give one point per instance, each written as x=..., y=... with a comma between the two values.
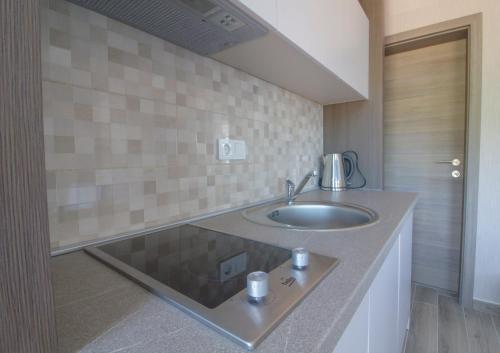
x=131, y=123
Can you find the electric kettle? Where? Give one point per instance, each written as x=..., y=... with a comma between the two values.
x=338, y=169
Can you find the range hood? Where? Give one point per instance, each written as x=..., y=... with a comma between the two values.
x=203, y=26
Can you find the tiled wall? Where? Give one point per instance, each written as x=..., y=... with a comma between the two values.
x=131, y=123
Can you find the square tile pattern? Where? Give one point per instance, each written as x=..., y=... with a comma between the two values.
x=131, y=123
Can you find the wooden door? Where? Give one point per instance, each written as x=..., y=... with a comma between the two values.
x=424, y=123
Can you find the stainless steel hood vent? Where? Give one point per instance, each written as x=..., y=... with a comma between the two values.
x=203, y=26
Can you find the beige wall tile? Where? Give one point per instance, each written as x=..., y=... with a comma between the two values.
x=64, y=144
x=131, y=123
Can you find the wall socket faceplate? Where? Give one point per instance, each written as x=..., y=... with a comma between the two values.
x=231, y=149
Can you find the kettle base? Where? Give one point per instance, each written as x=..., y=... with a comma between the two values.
x=333, y=188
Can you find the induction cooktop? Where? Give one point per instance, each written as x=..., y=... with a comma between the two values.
x=204, y=273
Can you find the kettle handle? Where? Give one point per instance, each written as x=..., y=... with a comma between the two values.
x=349, y=166
x=350, y=159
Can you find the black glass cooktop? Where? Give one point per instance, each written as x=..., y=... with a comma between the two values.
x=206, y=266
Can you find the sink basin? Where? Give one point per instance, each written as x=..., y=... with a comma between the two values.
x=311, y=215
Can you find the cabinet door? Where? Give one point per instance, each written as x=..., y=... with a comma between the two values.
x=405, y=253
x=333, y=32
x=384, y=306
x=355, y=337
x=265, y=9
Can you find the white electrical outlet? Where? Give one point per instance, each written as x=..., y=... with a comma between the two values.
x=231, y=149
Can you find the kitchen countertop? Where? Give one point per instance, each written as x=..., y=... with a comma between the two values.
x=98, y=310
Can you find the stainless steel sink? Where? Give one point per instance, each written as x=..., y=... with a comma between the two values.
x=311, y=215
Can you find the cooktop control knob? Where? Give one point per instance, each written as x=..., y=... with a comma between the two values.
x=300, y=258
x=257, y=286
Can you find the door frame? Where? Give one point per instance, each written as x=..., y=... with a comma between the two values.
x=469, y=27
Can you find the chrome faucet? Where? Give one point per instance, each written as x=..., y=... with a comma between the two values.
x=292, y=192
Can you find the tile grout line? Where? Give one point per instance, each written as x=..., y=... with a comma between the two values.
x=497, y=329
x=422, y=302
x=437, y=325
x=433, y=305
x=467, y=335
x=413, y=290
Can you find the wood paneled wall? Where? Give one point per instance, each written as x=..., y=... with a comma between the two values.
x=359, y=125
x=27, y=322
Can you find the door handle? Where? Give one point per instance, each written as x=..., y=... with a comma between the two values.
x=454, y=162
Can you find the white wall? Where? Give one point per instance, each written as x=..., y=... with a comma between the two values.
x=402, y=15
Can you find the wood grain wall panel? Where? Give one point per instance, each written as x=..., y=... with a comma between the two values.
x=27, y=321
x=359, y=125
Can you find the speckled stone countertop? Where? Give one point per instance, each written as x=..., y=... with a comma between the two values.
x=98, y=310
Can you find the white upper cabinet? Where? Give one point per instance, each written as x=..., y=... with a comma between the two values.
x=318, y=49
x=265, y=9
x=334, y=32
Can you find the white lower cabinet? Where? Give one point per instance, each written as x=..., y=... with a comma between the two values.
x=355, y=337
x=379, y=325
x=405, y=253
x=384, y=310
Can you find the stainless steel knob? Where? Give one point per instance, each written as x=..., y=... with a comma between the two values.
x=257, y=286
x=300, y=258
x=456, y=174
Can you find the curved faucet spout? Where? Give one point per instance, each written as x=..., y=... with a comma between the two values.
x=292, y=191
